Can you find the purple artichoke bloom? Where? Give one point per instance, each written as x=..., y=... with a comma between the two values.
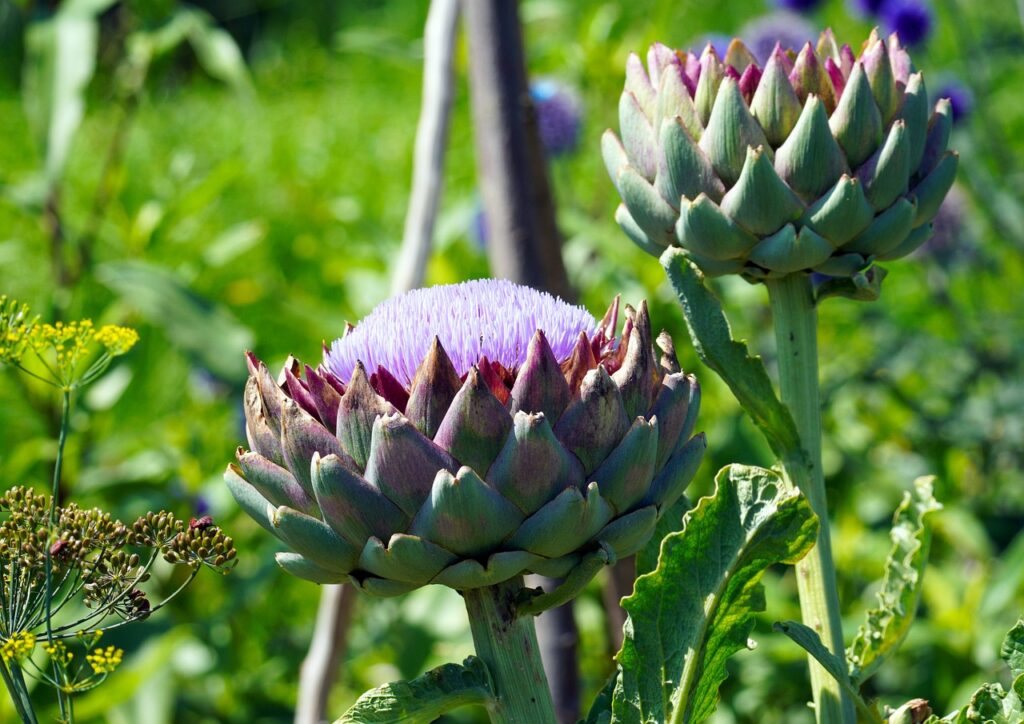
x=559, y=116
x=799, y=6
x=961, y=99
x=467, y=434
x=785, y=29
x=911, y=20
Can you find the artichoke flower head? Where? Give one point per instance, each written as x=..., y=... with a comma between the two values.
x=464, y=435
x=820, y=161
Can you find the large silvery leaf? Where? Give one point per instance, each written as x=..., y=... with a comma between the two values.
x=886, y=626
x=696, y=609
x=424, y=698
x=202, y=328
x=712, y=339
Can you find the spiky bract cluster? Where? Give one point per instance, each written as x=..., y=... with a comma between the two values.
x=478, y=469
x=821, y=161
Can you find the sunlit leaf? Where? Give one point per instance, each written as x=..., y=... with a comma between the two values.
x=696, y=609
x=887, y=625
x=712, y=339
x=424, y=698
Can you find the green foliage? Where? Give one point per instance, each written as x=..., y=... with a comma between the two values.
x=991, y=703
x=887, y=625
x=424, y=698
x=713, y=341
x=680, y=636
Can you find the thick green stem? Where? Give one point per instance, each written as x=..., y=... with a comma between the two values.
x=796, y=335
x=507, y=643
x=15, y=684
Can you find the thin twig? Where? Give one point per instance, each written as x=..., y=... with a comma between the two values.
x=325, y=652
x=431, y=143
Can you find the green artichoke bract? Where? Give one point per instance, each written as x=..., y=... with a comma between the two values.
x=821, y=161
x=464, y=435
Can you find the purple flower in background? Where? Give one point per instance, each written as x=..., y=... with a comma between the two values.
x=911, y=20
x=869, y=8
x=718, y=41
x=785, y=28
x=799, y=6
x=949, y=244
x=961, y=99
x=558, y=116
x=488, y=317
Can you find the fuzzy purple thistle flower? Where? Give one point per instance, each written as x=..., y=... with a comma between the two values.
x=467, y=434
x=485, y=317
x=911, y=20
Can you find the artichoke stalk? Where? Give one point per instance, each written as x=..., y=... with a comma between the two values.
x=466, y=435
x=821, y=161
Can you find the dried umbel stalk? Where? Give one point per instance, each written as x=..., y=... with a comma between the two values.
x=464, y=435
x=821, y=161
x=96, y=560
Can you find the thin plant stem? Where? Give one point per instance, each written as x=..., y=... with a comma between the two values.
x=795, y=318
x=65, y=416
x=507, y=643
x=15, y=684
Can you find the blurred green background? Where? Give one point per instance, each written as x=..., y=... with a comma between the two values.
x=239, y=180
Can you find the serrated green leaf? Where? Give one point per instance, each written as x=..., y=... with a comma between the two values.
x=696, y=609
x=712, y=339
x=1012, y=650
x=886, y=626
x=671, y=521
x=424, y=698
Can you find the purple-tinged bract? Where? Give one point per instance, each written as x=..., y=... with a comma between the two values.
x=485, y=317
x=464, y=435
x=823, y=160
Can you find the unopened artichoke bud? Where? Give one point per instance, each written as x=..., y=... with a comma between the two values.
x=464, y=435
x=821, y=161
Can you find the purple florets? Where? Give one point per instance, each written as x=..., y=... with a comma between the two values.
x=488, y=317
x=787, y=29
x=911, y=20
x=558, y=116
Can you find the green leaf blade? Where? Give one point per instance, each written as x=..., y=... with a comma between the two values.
x=696, y=609
x=887, y=625
x=423, y=699
x=712, y=339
